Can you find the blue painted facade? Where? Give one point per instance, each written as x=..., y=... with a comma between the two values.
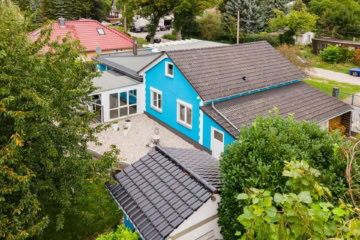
x=173, y=89
x=208, y=124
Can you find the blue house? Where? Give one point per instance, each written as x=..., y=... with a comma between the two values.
x=206, y=94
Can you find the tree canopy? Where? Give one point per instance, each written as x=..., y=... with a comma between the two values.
x=44, y=160
x=296, y=21
x=258, y=156
x=337, y=17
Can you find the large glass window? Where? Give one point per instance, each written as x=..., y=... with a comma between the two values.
x=123, y=104
x=184, y=114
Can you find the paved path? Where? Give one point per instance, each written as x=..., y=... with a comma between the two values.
x=336, y=76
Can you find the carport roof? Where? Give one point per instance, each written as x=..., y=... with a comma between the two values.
x=301, y=99
x=112, y=80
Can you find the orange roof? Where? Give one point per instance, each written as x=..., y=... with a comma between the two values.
x=87, y=32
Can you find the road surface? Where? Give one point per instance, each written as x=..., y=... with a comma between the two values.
x=336, y=76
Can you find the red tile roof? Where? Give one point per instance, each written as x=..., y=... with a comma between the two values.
x=85, y=31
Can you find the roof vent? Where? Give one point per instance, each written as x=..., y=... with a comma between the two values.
x=244, y=78
x=62, y=22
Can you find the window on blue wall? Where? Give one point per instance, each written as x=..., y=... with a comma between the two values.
x=184, y=114
x=169, y=69
x=156, y=99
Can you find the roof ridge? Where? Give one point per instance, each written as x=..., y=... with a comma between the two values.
x=190, y=171
x=226, y=46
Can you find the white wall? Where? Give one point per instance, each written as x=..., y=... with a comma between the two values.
x=324, y=125
x=206, y=211
x=355, y=126
x=304, y=38
x=105, y=102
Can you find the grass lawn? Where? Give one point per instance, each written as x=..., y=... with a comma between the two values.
x=328, y=85
x=318, y=63
x=91, y=215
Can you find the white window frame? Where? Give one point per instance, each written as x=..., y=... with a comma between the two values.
x=158, y=92
x=167, y=64
x=186, y=105
x=100, y=31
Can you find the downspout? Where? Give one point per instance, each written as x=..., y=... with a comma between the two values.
x=223, y=116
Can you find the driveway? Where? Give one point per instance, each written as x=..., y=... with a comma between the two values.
x=160, y=34
x=135, y=144
x=335, y=76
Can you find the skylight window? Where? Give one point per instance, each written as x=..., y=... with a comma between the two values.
x=101, y=31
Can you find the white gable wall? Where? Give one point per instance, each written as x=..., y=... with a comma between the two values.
x=207, y=211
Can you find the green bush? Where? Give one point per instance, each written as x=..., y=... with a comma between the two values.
x=210, y=26
x=331, y=54
x=273, y=40
x=122, y=233
x=287, y=38
x=304, y=213
x=346, y=55
x=257, y=158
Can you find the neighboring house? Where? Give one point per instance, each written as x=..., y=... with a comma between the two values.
x=91, y=34
x=170, y=194
x=207, y=94
x=114, y=14
x=304, y=38
x=320, y=44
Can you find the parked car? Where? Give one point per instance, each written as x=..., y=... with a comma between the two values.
x=117, y=24
x=157, y=39
x=355, y=72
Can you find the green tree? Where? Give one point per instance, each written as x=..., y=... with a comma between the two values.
x=121, y=233
x=257, y=158
x=299, y=5
x=295, y=21
x=338, y=17
x=154, y=9
x=210, y=26
x=44, y=161
x=271, y=5
x=251, y=18
x=185, y=12
x=303, y=213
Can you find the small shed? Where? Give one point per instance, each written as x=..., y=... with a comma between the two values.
x=170, y=193
x=320, y=44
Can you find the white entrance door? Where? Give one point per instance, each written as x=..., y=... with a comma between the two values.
x=217, y=142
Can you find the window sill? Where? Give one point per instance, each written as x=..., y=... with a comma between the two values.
x=169, y=76
x=184, y=124
x=156, y=109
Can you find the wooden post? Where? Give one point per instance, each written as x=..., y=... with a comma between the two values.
x=125, y=20
x=335, y=92
x=238, y=27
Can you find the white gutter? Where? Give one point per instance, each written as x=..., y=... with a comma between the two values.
x=223, y=116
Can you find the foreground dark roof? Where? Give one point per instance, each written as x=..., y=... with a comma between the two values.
x=218, y=72
x=306, y=102
x=165, y=187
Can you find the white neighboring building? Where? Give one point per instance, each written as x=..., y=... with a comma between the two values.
x=171, y=194
x=304, y=38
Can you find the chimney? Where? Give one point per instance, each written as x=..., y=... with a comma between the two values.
x=62, y=22
x=134, y=46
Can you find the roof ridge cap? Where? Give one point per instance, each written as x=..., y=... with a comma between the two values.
x=215, y=47
x=190, y=171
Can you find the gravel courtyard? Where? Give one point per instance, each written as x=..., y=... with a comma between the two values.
x=133, y=146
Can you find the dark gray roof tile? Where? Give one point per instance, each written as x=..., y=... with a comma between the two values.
x=217, y=72
x=304, y=101
x=159, y=191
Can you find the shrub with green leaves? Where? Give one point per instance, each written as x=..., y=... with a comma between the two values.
x=121, y=233
x=304, y=213
x=331, y=54
x=258, y=157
